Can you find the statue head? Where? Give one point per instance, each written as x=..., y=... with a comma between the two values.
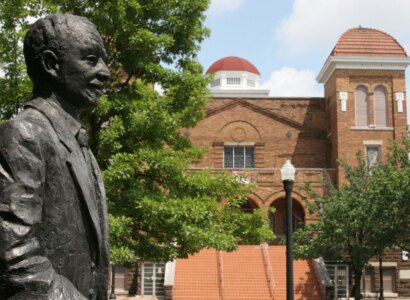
x=65, y=56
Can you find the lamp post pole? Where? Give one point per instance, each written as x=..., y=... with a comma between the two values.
x=288, y=176
x=112, y=295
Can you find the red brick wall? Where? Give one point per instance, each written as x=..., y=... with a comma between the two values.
x=279, y=129
x=344, y=139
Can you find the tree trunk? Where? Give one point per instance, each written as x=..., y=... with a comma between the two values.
x=357, y=281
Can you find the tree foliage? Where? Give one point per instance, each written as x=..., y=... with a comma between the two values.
x=363, y=217
x=14, y=83
x=158, y=209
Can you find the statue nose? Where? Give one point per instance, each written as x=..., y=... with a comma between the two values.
x=104, y=72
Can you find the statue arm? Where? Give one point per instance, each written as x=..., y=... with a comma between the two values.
x=24, y=272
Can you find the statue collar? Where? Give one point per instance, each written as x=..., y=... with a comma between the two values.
x=63, y=123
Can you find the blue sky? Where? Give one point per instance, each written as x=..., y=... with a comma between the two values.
x=289, y=40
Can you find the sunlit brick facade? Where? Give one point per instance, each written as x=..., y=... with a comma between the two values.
x=248, y=132
x=363, y=109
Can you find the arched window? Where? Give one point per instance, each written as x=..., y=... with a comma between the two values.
x=380, y=107
x=278, y=219
x=362, y=106
x=249, y=206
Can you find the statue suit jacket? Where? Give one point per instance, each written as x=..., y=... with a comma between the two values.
x=53, y=220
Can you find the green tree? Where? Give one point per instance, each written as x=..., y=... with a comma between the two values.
x=15, y=85
x=365, y=216
x=159, y=210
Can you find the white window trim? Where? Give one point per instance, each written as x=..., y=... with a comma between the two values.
x=373, y=142
x=386, y=294
x=386, y=264
x=230, y=144
x=372, y=128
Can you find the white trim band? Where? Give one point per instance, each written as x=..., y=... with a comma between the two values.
x=360, y=63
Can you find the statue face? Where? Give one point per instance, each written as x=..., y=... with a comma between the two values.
x=82, y=70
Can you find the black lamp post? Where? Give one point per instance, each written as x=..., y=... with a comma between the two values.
x=381, y=295
x=113, y=296
x=288, y=176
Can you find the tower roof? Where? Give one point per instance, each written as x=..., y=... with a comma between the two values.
x=364, y=49
x=361, y=41
x=232, y=63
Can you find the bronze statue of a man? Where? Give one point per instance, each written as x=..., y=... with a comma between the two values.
x=53, y=218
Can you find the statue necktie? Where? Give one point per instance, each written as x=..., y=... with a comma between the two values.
x=82, y=139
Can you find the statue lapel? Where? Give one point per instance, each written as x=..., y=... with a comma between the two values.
x=85, y=186
x=75, y=161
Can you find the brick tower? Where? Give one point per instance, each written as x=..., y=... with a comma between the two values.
x=365, y=95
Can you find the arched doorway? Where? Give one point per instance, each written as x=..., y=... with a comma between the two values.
x=278, y=219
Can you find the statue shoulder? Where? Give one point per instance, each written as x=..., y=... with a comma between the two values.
x=29, y=126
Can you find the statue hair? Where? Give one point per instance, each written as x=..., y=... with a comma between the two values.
x=49, y=33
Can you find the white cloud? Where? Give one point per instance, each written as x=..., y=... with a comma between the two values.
x=290, y=82
x=218, y=7
x=315, y=25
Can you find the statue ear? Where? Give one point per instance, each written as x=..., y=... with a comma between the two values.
x=50, y=63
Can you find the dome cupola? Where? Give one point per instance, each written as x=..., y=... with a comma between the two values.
x=232, y=63
x=235, y=76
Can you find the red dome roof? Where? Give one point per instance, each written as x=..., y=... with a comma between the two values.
x=367, y=42
x=232, y=63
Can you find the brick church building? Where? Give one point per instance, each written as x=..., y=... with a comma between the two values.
x=250, y=133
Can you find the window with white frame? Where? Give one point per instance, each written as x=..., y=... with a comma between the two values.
x=216, y=82
x=372, y=156
x=238, y=157
x=153, y=279
x=362, y=106
x=233, y=81
x=369, y=280
x=250, y=82
x=120, y=278
x=389, y=280
x=380, y=107
x=339, y=275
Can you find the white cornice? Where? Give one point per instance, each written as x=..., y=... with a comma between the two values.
x=219, y=93
x=361, y=63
